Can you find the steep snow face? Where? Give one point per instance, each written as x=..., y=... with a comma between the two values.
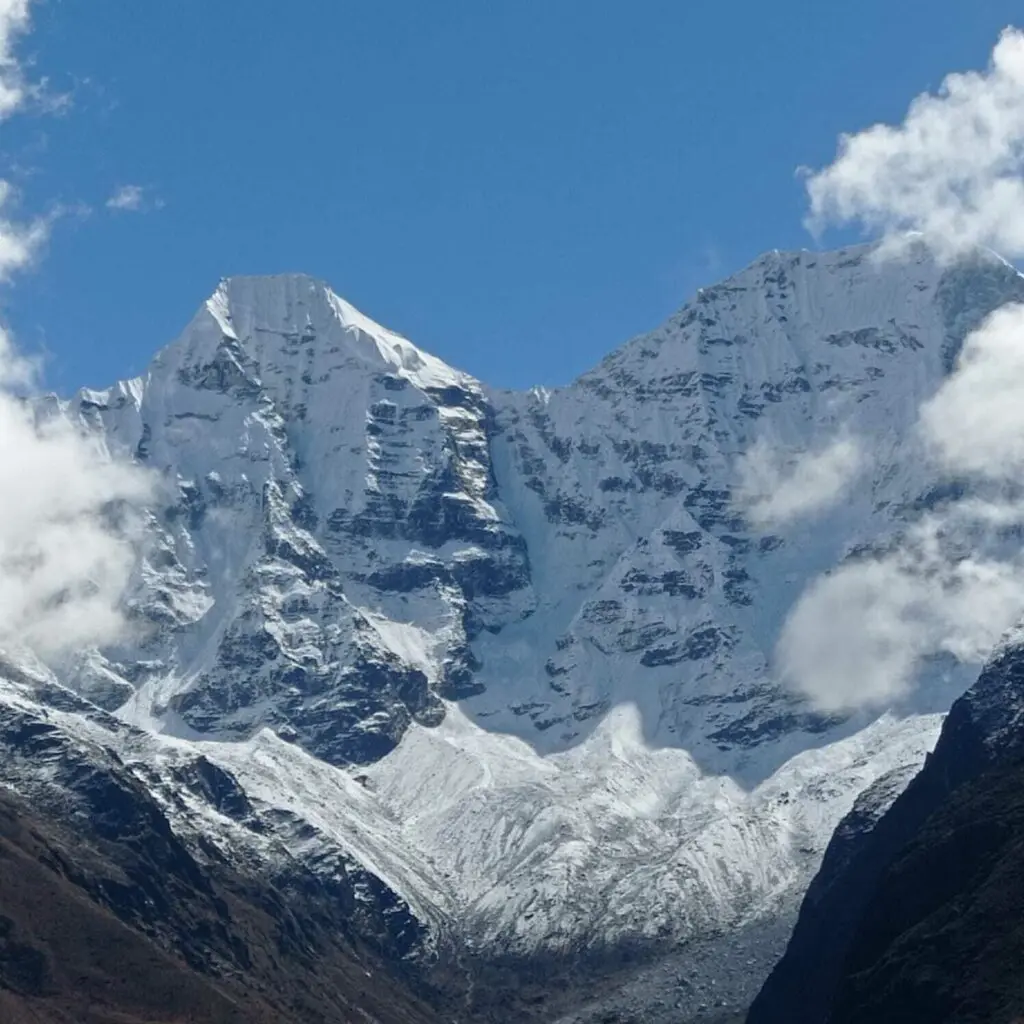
x=651, y=587
x=536, y=627
x=331, y=538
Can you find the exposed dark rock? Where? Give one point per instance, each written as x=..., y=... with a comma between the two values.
x=854, y=921
x=766, y=723
x=683, y=542
x=81, y=941
x=217, y=787
x=942, y=937
x=675, y=583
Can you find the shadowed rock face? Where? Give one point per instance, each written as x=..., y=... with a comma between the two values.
x=942, y=938
x=326, y=485
x=152, y=821
x=118, y=924
x=915, y=913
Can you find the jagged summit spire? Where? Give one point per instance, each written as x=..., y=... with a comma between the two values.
x=296, y=326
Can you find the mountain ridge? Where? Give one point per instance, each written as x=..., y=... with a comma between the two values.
x=511, y=653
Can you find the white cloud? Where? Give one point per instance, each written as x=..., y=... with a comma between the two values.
x=19, y=243
x=64, y=560
x=857, y=637
x=14, y=22
x=131, y=198
x=65, y=555
x=976, y=421
x=776, y=487
x=953, y=170
x=955, y=582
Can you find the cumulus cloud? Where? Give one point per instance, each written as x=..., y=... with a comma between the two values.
x=953, y=170
x=65, y=554
x=858, y=636
x=775, y=486
x=129, y=198
x=952, y=583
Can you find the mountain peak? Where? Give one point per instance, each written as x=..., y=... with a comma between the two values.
x=293, y=329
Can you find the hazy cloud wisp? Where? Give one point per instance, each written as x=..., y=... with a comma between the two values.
x=775, y=487
x=14, y=22
x=128, y=199
x=19, y=243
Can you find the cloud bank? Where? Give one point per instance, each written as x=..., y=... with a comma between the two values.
x=953, y=170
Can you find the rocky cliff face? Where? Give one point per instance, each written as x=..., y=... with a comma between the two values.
x=941, y=938
x=319, y=474
x=503, y=661
x=911, y=916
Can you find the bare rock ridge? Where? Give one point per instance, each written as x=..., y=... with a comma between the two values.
x=915, y=913
x=499, y=664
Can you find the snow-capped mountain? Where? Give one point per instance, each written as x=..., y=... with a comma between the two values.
x=507, y=656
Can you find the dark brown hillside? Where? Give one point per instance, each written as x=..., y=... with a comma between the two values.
x=66, y=958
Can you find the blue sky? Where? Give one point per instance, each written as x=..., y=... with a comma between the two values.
x=517, y=187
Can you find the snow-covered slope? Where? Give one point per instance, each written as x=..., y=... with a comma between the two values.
x=511, y=652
